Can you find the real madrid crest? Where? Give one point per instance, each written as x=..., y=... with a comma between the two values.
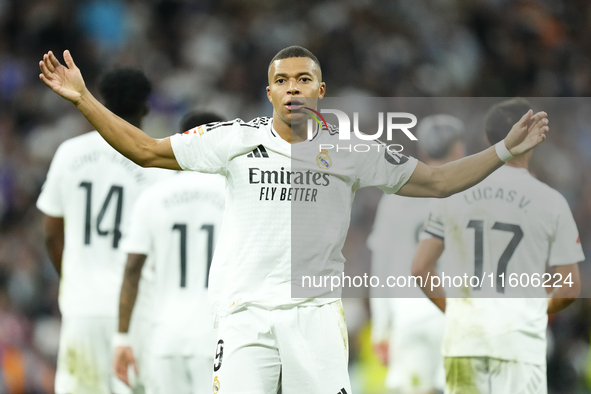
x=216, y=385
x=323, y=159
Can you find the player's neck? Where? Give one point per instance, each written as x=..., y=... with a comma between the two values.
x=294, y=134
x=519, y=162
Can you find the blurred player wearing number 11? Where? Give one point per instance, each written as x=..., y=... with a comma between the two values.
x=175, y=225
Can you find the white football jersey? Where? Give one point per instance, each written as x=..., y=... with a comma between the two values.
x=510, y=223
x=93, y=187
x=287, y=207
x=393, y=242
x=177, y=223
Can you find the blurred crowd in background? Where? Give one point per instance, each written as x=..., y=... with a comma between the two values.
x=214, y=55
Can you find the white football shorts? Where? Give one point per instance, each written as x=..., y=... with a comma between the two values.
x=140, y=331
x=416, y=363
x=85, y=357
x=180, y=375
x=485, y=375
x=303, y=349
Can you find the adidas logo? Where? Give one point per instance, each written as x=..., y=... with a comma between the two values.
x=343, y=391
x=259, y=151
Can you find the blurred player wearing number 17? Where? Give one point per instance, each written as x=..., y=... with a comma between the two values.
x=509, y=226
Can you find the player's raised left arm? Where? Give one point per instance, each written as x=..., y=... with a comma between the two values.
x=462, y=174
x=563, y=296
x=130, y=141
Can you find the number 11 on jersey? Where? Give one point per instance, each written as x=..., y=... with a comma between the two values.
x=182, y=228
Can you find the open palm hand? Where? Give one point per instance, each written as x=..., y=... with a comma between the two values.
x=527, y=133
x=65, y=81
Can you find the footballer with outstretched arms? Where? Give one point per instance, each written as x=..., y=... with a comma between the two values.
x=269, y=337
x=508, y=226
x=407, y=329
x=87, y=200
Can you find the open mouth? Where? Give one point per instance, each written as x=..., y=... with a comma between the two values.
x=294, y=105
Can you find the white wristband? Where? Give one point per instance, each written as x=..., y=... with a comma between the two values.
x=502, y=151
x=120, y=339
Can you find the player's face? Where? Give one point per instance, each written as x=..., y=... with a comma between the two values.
x=294, y=83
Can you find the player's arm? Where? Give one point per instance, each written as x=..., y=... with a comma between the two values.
x=563, y=296
x=129, y=289
x=462, y=174
x=54, y=240
x=423, y=265
x=130, y=141
x=380, y=327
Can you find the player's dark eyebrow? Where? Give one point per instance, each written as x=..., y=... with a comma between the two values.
x=308, y=73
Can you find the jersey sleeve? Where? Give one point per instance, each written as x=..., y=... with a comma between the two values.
x=50, y=201
x=435, y=224
x=205, y=148
x=383, y=169
x=138, y=238
x=566, y=247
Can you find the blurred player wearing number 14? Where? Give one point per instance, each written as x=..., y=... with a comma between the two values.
x=407, y=332
x=511, y=224
x=87, y=197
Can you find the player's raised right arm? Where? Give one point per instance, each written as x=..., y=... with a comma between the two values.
x=130, y=141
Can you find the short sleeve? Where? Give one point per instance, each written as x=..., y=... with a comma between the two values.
x=138, y=238
x=50, y=201
x=435, y=224
x=384, y=169
x=566, y=247
x=204, y=148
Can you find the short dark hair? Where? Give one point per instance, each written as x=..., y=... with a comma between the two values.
x=197, y=118
x=438, y=134
x=295, y=51
x=125, y=91
x=502, y=116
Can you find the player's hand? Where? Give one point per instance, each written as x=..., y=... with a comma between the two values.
x=123, y=358
x=381, y=350
x=65, y=81
x=527, y=133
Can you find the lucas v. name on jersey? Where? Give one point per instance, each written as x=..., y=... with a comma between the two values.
x=283, y=177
